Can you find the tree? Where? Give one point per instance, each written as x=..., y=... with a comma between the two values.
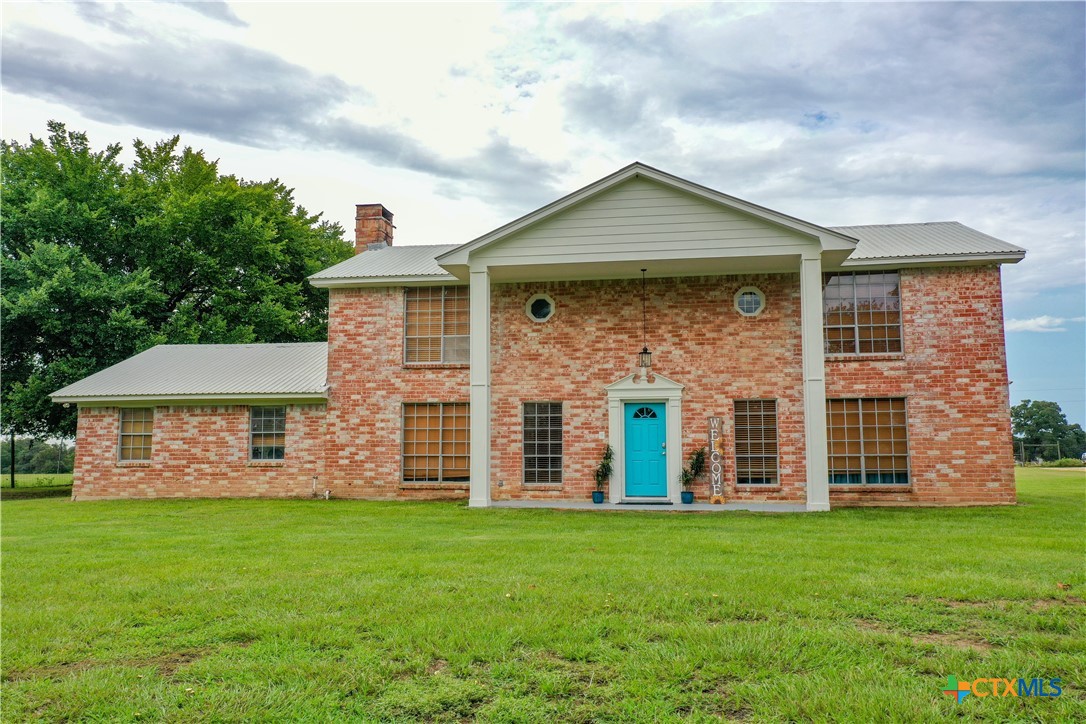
x=100, y=262
x=1042, y=428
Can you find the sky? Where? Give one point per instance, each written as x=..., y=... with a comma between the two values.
x=461, y=117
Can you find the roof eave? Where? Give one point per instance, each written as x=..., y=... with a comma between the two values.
x=413, y=280
x=208, y=399
x=1012, y=257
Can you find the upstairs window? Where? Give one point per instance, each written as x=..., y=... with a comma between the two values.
x=436, y=325
x=136, y=426
x=267, y=433
x=861, y=312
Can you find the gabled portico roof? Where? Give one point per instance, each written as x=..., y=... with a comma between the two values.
x=457, y=260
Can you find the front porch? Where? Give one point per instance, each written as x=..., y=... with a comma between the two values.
x=652, y=507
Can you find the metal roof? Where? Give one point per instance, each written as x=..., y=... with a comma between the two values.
x=390, y=262
x=209, y=370
x=937, y=238
x=925, y=242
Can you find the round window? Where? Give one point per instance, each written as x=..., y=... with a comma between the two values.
x=540, y=308
x=749, y=301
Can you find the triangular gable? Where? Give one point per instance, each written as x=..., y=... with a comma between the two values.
x=628, y=197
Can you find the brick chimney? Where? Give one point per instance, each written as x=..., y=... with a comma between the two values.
x=372, y=227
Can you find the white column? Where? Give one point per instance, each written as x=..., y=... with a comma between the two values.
x=479, y=495
x=814, y=382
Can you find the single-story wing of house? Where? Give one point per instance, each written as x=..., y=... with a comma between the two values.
x=817, y=366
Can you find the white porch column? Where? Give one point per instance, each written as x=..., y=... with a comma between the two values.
x=814, y=381
x=479, y=493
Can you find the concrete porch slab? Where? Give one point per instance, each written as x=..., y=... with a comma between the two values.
x=651, y=507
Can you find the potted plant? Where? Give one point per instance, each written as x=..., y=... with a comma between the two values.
x=603, y=473
x=691, y=472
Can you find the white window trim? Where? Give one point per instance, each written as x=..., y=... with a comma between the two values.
x=744, y=290
x=532, y=300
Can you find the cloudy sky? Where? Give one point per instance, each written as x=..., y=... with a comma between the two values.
x=460, y=117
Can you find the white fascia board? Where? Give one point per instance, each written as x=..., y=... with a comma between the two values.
x=938, y=260
x=417, y=281
x=301, y=398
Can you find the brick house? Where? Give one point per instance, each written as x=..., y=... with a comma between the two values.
x=858, y=365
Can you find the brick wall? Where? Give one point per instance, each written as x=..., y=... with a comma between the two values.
x=198, y=452
x=697, y=339
x=369, y=383
x=953, y=374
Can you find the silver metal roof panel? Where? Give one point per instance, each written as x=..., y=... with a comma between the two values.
x=392, y=261
x=206, y=370
x=933, y=239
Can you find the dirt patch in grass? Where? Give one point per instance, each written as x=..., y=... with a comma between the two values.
x=166, y=664
x=1040, y=604
x=436, y=667
x=1044, y=604
x=959, y=641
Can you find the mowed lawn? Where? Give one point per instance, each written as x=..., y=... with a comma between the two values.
x=338, y=610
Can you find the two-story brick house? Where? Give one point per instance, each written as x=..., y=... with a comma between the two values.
x=849, y=365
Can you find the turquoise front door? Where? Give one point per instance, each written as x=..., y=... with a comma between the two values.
x=645, y=457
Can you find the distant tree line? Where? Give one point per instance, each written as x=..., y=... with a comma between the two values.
x=37, y=456
x=1041, y=432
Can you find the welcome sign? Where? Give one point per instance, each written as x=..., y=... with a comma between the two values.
x=716, y=461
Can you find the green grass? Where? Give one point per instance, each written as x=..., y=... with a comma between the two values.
x=36, y=485
x=335, y=610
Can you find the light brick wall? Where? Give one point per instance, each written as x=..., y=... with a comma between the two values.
x=369, y=384
x=953, y=374
x=697, y=339
x=197, y=452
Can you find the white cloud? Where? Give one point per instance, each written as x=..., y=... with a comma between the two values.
x=1043, y=323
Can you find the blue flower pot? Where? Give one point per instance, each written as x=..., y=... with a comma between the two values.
x=597, y=496
x=688, y=497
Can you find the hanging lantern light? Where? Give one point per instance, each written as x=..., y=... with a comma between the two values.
x=644, y=357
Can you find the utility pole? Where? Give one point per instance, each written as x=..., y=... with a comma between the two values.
x=11, y=457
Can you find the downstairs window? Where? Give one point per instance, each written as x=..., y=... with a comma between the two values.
x=868, y=442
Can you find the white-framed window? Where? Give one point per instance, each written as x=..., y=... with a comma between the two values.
x=750, y=301
x=137, y=424
x=543, y=443
x=436, y=442
x=539, y=307
x=868, y=441
x=862, y=312
x=436, y=324
x=756, y=461
x=267, y=433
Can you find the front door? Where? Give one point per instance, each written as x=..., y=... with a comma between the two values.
x=646, y=450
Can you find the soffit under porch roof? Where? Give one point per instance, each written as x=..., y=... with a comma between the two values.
x=638, y=217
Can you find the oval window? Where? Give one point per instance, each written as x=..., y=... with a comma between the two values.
x=750, y=301
x=539, y=308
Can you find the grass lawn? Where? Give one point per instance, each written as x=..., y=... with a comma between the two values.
x=36, y=485
x=336, y=610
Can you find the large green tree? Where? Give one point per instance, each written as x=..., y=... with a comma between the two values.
x=101, y=261
x=1042, y=430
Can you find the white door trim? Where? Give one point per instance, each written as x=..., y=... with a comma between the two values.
x=632, y=388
